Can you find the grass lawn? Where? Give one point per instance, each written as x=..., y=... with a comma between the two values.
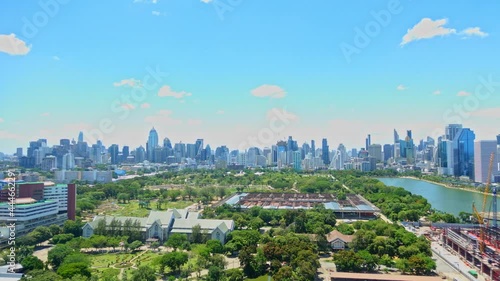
x=105, y=260
x=132, y=209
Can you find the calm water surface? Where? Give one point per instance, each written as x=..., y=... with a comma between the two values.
x=448, y=200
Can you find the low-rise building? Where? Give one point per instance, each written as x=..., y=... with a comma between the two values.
x=339, y=241
x=160, y=224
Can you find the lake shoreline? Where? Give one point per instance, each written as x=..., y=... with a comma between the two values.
x=445, y=185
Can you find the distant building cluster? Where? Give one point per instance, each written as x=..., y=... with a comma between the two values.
x=456, y=153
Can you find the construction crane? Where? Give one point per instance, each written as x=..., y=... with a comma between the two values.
x=480, y=216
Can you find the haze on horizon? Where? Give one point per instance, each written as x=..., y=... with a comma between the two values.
x=200, y=69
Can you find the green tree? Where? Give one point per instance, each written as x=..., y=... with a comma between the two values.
x=135, y=245
x=57, y=255
x=196, y=234
x=234, y=274
x=144, y=273
x=32, y=263
x=73, y=227
x=174, y=260
x=215, y=273
x=215, y=246
x=176, y=240
x=41, y=275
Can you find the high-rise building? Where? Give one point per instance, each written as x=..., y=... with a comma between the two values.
x=452, y=130
x=482, y=153
x=444, y=157
x=375, y=150
x=396, y=136
x=151, y=144
x=463, y=153
x=368, y=141
x=313, y=148
x=340, y=157
x=113, y=153
x=140, y=154
x=198, y=149
x=325, y=152
x=65, y=143
x=19, y=152
x=125, y=153
x=80, y=137
x=297, y=161
x=388, y=152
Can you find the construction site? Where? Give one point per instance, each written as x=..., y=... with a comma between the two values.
x=478, y=246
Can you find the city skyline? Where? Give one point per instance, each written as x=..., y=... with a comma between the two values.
x=224, y=76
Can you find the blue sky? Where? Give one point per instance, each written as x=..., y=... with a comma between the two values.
x=242, y=73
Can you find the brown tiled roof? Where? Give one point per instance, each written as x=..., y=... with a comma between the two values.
x=336, y=234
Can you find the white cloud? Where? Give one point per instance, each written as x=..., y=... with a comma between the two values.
x=13, y=46
x=194, y=122
x=45, y=114
x=206, y=1
x=220, y=112
x=155, y=13
x=436, y=92
x=56, y=58
x=474, y=31
x=146, y=1
x=271, y=91
x=131, y=82
x=463, y=94
x=426, y=29
x=128, y=106
x=166, y=91
x=1, y=120
x=145, y=105
x=401, y=87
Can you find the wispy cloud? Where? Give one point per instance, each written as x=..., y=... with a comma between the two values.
x=401, y=87
x=436, y=92
x=271, y=91
x=8, y=135
x=56, y=58
x=474, y=31
x=426, y=29
x=1, y=120
x=156, y=13
x=145, y=105
x=145, y=1
x=166, y=91
x=219, y=112
x=13, y=46
x=45, y=114
x=206, y=1
x=131, y=82
x=463, y=94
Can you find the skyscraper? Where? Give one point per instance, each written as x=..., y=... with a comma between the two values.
x=125, y=153
x=151, y=144
x=368, y=141
x=198, y=149
x=297, y=161
x=140, y=154
x=325, y=152
x=375, y=150
x=482, y=153
x=388, y=152
x=463, y=153
x=80, y=137
x=113, y=152
x=451, y=130
x=313, y=148
x=396, y=136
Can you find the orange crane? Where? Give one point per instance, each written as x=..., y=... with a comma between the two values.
x=480, y=216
